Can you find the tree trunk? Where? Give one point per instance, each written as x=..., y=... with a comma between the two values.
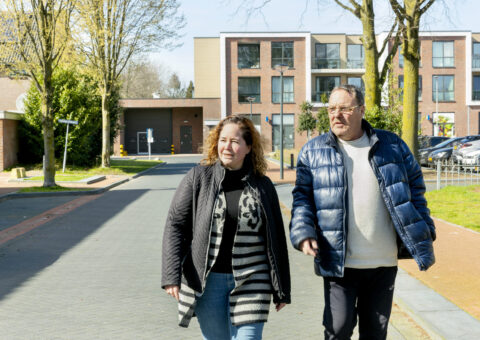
x=105, y=128
x=371, y=77
x=47, y=125
x=410, y=70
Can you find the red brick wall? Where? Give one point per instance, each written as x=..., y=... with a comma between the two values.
x=184, y=116
x=8, y=143
x=266, y=107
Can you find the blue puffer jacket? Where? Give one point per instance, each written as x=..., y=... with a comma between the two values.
x=320, y=199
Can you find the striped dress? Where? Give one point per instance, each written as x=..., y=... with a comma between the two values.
x=250, y=299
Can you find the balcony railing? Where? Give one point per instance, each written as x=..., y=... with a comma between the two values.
x=327, y=63
x=476, y=62
x=476, y=94
x=358, y=63
x=317, y=96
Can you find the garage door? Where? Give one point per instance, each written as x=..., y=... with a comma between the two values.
x=137, y=121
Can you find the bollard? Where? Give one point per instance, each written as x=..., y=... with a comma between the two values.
x=173, y=149
x=291, y=161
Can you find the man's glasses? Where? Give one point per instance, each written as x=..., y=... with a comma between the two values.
x=343, y=110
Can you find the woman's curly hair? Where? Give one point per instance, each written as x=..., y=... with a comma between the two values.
x=251, y=136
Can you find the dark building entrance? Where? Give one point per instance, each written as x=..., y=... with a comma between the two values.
x=137, y=121
x=186, y=139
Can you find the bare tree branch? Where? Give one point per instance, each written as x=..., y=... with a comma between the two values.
x=426, y=7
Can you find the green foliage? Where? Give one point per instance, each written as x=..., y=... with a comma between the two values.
x=76, y=98
x=306, y=120
x=323, y=123
x=385, y=119
x=190, y=88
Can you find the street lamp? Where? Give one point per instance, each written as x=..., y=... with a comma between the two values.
x=281, y=68
x=436, y=101
x=250, y=100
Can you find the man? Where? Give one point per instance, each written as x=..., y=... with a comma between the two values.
x=358, y=206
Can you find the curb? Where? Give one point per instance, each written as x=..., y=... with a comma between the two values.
x=14, y=195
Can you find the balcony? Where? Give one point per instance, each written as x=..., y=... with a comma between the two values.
x=355, y=63
x=325, y=63
x=476, y=62
x=476, y=95
x=317, y=96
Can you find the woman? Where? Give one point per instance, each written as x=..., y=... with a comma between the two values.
x=224, y=248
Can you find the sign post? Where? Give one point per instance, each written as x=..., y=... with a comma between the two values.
x=149, y=141
x=68, y=122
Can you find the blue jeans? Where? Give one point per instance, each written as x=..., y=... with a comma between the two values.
x=213, y=312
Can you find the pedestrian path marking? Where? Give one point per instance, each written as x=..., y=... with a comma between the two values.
x=49, y=215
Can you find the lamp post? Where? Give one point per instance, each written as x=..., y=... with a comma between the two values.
x=436, y=100
x=281, y=68
x=250, y=100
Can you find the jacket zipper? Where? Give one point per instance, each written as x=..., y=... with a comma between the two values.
x=389, y=204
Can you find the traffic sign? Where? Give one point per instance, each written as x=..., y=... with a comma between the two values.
x=66, y=121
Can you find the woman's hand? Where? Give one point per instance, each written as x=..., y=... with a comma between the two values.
x=279, y=306
x=173, y=291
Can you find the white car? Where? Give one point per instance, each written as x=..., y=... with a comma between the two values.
x=471, y=160
x=459, y=151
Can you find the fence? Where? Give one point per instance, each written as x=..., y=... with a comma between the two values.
x=451, y=173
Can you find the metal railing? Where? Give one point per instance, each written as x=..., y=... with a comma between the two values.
x=455, y=174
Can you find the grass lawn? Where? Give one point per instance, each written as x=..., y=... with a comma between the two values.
x=55, y=188
x=455, y=204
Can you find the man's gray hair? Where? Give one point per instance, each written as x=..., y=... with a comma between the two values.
x=353, y=90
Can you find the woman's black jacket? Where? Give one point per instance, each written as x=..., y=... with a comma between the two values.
x=187, y=230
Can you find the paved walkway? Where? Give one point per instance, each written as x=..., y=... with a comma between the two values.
x=93, y=271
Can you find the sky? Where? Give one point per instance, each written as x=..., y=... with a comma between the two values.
x=208, y=18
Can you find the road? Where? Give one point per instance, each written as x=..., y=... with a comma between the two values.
x=95, y=272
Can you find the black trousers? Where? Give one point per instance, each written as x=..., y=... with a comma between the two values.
x=363, y=293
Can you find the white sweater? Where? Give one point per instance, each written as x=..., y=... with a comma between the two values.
x=371, y=237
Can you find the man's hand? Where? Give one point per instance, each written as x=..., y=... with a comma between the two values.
x=309, y=247
x=173, y=291
x=279, y=306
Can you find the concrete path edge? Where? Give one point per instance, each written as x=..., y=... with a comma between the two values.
x=14, y=195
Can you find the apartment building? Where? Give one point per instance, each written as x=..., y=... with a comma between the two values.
x=244, y=70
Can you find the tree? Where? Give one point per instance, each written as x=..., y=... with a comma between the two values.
x=142, y=79
x=323, y=122
x=75, y=97
x=174, y=87
x=374, y=77
x=190, y=89
x=118, y=30
x=408, y=17
x=306, y=121
x=37, y=33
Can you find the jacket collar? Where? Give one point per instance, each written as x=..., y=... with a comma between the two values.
x=372, y=135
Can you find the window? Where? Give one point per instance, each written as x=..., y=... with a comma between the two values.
x=357, y=82
x=444, y=124
x=476, y=88
x=400, y=55
x=282, y=53
x=443, y=54
x=248, y=56
x=476, y=55
x=327, y=56
x=400, y=85
x=288, y=132
x=444, y=86
x=256, y=120
x=248, y=87
x=324, y=85
x=288, y=95
x=355, y=56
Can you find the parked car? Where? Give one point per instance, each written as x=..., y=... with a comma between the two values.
x=429, y=141
x=460, y=150
x=443, y=151
x=424, y=153
x=471, y=160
